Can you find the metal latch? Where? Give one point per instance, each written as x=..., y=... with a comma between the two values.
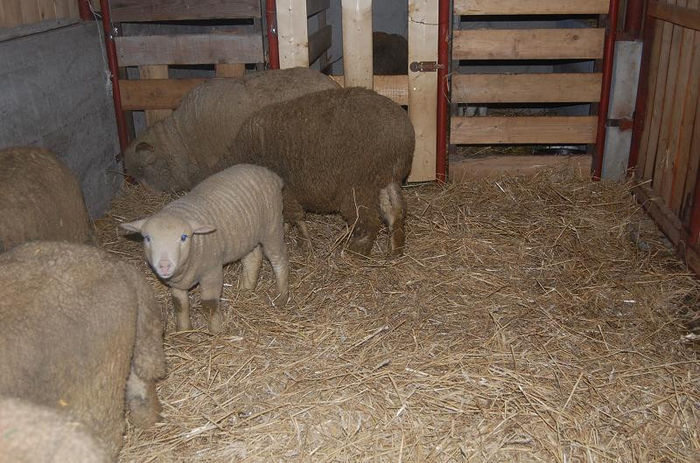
x=424, y=66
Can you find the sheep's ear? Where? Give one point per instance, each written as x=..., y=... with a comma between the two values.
x=145, y=152
x=133, y=227
x=201, y=229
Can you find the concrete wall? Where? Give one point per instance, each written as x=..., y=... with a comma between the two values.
x=54, y=93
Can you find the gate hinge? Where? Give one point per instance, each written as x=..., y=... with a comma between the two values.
x=425, y=66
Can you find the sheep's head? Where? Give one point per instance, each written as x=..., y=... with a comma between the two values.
x=167, y=241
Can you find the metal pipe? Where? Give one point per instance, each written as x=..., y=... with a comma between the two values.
x=608, y=57
x=114, y=74
x=443, y=89
x=84, y=9
x=272, y=41
x=633, y=18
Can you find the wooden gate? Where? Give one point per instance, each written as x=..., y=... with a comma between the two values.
x=543, y=45
x=666, y=143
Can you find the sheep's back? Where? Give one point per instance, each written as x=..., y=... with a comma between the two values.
x=68, y=316
x=40, y=199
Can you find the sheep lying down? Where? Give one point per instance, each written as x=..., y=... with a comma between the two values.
x=233, y=215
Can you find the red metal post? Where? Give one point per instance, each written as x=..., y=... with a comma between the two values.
x=114, y=74
x=272, y=42
x=608, y=56
x=443, y=90
x=84, y=9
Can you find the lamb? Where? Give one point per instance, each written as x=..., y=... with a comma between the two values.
x=40, y=199
x=81, y=331
x=227, y=217
x=345, y=150
x=389, y=54
x=184, y=149
x=31, y=433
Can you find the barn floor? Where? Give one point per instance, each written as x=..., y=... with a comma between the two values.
x=531, y=319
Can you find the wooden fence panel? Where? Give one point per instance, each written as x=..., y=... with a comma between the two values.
x=529, y=7
x=526, y=88
x=20, y=12
x=169, y=10
x=527, y=130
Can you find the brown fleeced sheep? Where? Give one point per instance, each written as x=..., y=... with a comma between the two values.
x=340, y=150
x=30, y=433
x=179, y=152
x=40, y=199
x=81, y=333
x=389, y=54
x=234, y=214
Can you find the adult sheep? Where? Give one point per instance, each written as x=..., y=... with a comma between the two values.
x=340, y=150
x=227, y=217
x=81, y=331
x=179, y=152
x=30, y=433
x=40, y=199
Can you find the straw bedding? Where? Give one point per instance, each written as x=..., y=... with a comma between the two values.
x=531, y=319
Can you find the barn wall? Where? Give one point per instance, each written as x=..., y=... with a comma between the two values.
x=54, y=93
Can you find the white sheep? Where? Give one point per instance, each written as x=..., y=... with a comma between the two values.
x=227, y=217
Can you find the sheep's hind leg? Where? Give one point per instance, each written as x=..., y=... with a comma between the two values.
x=365, y=222
x=276, y=252
x=250, y=268
x=142, y=400
x=294, y=214
x=181, y=304
x=211, y=286
x=393, y=208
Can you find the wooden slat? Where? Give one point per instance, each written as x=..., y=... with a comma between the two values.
x=693, y=174
x=189, y=49
x=11, y=13
x=677, y=14
x=164, y=10
x=230, y=70
x=393, y=87
x=315, y=6
x=62, y=8
x=526, y=88
x=496, y=166
x=30, y=12
x=155, y=72
x=529, y=7
x=529, y=130
x=292, y=32
x=47, y=10
x=155, y=94
x=319, y=42
x=494, y=44
x=357, y=42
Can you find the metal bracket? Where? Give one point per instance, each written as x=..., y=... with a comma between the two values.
x=425, y=66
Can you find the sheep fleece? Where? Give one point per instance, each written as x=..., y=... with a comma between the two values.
x=76, y=323
x=40, y=199
x=30, y=433
x=182, y=150
x=389, y=54
x=337, y=151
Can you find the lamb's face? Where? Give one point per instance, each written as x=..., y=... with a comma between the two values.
x=167, y=242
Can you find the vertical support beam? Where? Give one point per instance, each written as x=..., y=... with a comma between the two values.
x=292, y=32
x=423, y=86
x=114, y=73
x=272, y=42
x=608, y=57
x=444, y=18
x=357, y=43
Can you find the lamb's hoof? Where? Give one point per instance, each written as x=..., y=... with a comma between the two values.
x=216, y=323
x=145, y=409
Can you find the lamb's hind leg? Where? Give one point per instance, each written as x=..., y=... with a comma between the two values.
x=362, y=214
x=251, y=264
x=275, y=250
x=393, y=208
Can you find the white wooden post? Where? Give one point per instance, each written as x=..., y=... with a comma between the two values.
x=422, y=86
x=292, y=33
x=357, y=43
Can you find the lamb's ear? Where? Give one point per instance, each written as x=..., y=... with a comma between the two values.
x=133, y=227
x=201, y=229
x=145, y=152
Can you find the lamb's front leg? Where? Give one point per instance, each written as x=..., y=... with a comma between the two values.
x=181, y=304
x=211, y=286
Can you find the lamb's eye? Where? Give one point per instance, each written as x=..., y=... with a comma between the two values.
x=183, y=237
x=147, y=238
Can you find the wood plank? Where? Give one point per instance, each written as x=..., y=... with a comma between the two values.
x=189, y=49
x=47, y=10
x=164, y=10
x=155, y=72
x=657, y=105
x=11, y=13
x=693, y=174
x=293, y=35
x=392, y=87
x=494, y=44
x=30, y=12
x=230, y=70
x=664, y=159
x=677, y=14
x=73, y=10
x=357, y=42
x=156, y=93
x=62, y=8
x=319, y=42
x=422, y=87
x=497, y=166
x=529, y=7
x=528, y=130
x=526, y=88
x=316, y=6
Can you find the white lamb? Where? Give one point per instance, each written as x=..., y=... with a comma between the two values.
x=227, y=217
